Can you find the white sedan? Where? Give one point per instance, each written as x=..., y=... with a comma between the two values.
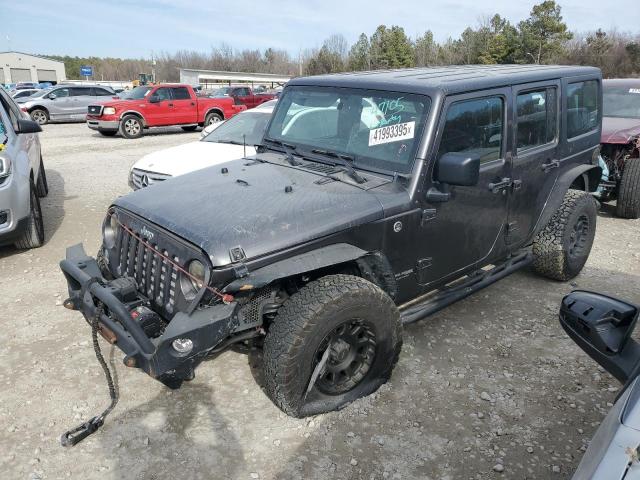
x=221, y=142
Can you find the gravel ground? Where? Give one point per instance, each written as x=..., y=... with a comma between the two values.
x=489, y=388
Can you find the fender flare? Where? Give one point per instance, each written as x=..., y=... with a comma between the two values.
x=215, y=109
x=133, y=112
x=584, y=177
x=305, y=262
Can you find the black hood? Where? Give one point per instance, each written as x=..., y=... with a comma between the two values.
x=251, y=207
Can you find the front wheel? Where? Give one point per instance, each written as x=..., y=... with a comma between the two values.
x=628, y=204
x=335, y=340
x=562, y=248
x=40, y=116
x=33, y=235
x=131, y=127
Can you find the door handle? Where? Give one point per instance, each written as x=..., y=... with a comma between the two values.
x=193, y=104
x=550, y=165
x=502, y=185
x=171, y=104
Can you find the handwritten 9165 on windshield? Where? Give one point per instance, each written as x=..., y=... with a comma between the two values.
x=391, y=133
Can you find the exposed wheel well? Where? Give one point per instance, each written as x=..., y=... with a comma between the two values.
x=38, y=107
x=587, y=181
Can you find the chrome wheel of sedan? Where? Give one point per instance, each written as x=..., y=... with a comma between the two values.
x=39, y=116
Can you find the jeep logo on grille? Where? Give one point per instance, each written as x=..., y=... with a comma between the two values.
x=145, y=232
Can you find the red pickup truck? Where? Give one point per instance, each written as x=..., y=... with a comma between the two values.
x=159, y=106
x=244, y=95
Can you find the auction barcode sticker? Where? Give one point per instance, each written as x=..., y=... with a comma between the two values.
x=392, y=133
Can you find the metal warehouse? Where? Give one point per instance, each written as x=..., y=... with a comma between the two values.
x=211, y=77
x=23, y=67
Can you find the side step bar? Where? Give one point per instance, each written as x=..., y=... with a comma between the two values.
x=465, y=287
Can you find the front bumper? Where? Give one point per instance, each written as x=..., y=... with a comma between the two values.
x=206, y=327
x=102, y=124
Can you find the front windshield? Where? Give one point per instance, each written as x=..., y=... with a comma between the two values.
x=137, y=93
x=221, y=92
x=244, y=128
x=621, y=101
x=378, y=129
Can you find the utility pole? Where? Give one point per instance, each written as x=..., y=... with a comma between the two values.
x=300, y=63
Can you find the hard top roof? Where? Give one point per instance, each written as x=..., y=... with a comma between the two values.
x=446, y=79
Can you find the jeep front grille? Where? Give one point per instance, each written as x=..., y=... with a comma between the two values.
x=142, y=178
x=155, y=276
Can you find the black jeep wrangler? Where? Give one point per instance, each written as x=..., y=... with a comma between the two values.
x=374, y=200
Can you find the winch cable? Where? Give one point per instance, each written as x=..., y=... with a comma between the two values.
x=76, y=435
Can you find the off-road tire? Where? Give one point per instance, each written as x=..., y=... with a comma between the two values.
x=304, y=322
x=556, y=254
x=211, y=118
x=42, y=187
x=189, y=128
x=108, y=133
x=33, y=235
x=40, y=116
x=128, y=127
x=628, y=205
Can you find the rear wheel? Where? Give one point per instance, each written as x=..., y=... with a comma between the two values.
x=212, y=118
x=40, y=116
x=42, y=187
x=189, y=128
x=562, y=248
x=33, y=235
x=108, y=133
x=335, y=340
x=131, y=127
x=628, y=205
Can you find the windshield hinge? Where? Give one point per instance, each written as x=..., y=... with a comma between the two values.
x=428, y=214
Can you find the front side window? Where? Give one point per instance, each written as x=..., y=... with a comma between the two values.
x=60, y=92
x=536, y=122
x=474, y=126
x=246, y=128
x=582, y=107
x=181, y=93
x=101, y=92
x=162, y=94
x=378, y=129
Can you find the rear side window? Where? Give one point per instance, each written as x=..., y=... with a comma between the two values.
x=536, y=118
x=582, y=107
x=474, y=126
x=79, y=92
x=101, y=92
x=180, y=93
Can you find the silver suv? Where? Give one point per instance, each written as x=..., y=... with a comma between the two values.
x=22, y=177
x=64, y=103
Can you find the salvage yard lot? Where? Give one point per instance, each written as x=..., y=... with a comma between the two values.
x=489, y=388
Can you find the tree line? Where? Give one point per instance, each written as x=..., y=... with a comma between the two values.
x=542, y=38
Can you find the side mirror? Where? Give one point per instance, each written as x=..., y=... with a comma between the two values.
x=52, y=96
x=458, y=168
x=28, y=126
x=154, y=99
x=602, y=327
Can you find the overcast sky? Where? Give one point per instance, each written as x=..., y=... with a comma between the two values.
x=136, y=28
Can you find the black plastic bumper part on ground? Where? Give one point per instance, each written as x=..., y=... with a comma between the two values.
x=206, y=327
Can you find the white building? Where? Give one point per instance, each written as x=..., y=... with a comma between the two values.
x=22, y=67
x=206, y=78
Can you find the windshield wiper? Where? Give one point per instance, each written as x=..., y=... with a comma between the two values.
x=346, y=162
x=232, y=142
x=286, y=148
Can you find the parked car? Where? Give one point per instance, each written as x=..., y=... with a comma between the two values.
x=226, y=140
x=621, y=145
x=244, y=95
x=9, y=86
x=158, y=106
x=316, y=250
x=602, y=327
x=23, y=180
x=43, y=85
x=64, y=103
x=23, y=93
x=23, y=85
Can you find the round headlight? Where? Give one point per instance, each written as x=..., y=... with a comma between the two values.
x=196, y=270
x=110, y=231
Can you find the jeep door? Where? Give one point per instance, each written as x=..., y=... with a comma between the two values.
x=466, y=231
x=535, y=163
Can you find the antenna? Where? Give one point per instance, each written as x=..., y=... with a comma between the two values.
x=244, y=144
